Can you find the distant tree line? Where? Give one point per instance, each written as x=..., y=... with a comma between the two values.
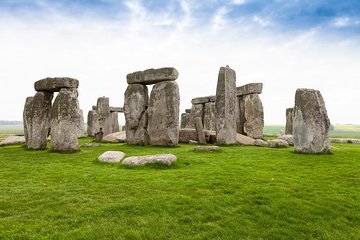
x=6, y=122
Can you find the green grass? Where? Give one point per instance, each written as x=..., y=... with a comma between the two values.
x=238, y=193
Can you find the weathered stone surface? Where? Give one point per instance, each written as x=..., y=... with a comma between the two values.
x=92, y=123
x=261, y=143
x=193, y=142
x=185, y=120
x=225, y=106
x=251, y=88
x=209, y=116
x=197, y=110
x=163, y=126
x=188, y=110
x=254, y=116
x=188, y=134
x=278, y=143
x=117, y=137
x=65, y=115
x=202, y=100
x=114, y=122
x=111, y=156
x=288, y=138
x=244, y=140
x=289, y=128
x=240, y=114
x=167, y=159
x=103, y=112
x=151, y=76
x=94, y=107
x=37, y=120
x=199, y=131
x=55, y=84
x=11, y=140
x=311, y=122
x=80, y=125
x=206, y=149
x=136, y=116
x=116, y=109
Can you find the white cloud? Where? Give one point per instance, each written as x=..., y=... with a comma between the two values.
x=219, y=19
x=238, y=2
x=261, y=21
x=345, y=22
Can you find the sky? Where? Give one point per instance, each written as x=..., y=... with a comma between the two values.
x=285, y=44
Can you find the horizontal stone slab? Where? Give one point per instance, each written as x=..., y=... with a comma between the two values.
x=116, y=109
x=202, y=100
x=55, y=84
x=250, y=88
x=152, y=76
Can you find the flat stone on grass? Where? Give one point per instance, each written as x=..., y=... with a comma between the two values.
x=12, y=140
x=206, y=149
x=166, y=159
x=111, y=156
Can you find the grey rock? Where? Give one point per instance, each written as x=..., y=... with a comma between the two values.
x=94, y=107
x=193, y=142
x=11, y=140
x=261, y=143
x=206, y=149
x=311, y=122
x=114, y=122
x=209, y=116
x=152, y=76
x=167, y=159
x=278, y=143
x=163, y=126
x=288, y=138
x=202, y=100
x=111, y=156
x=200, y=130
x=93, y=125
x=197, y=110
x=64, y=118
x=117, y=137
x=254, y=116
x=185, y=120
x=37, y=120
x=225, y=106
x=81, y=125
x=240, y=114
x=251, y=88
x=188, y=134
x=136, y=116
x=244, y=140
x=103, y=112
x=289, y=128
x=188, y=110
x=55, y=84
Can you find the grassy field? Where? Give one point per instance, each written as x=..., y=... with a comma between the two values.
x=238, y=193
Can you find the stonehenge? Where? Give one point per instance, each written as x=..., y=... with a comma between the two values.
x=289, y=127
x=311, y=122
x=103, y=116
x=62, y=119
x=152, y=120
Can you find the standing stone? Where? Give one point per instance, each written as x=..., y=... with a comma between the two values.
x=200, y=130
x=80, y=125
x=209, y=116
x=114, y=122
x=185, y=120
x=37, y=120
x=163, y=112
x=92, y=123
x=225, y=106
x=136, y=116
x=103, y=111
x=65, y=115
x=254, y=116
x=240, y=115
x=311, y=122
x=289, y=128
x=197, y=110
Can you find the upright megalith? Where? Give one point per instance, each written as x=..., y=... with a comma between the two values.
x=289, y=127
x=209, y=116
x=225, y=106
x=311, y=122
x=203, y=107
x=37, y=120
x=136, y=102
x=249, y=110
x=80, y=125
x=65, y=115
x=163, y=126
x=103, y=116
x=153, y=121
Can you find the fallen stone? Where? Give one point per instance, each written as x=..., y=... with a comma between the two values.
x=117, y=137
x=311, y=122
x=225, y=106
x=203, y=100
x=244, y=140
x=193, y=142
x=11, y=140
x=288, y=138
x=251, y=88
x=111, y=156
x=278, y=143
x=167, y=159
x=55, y=84
x=188, y=134
x=152, y=76
x=90, y=145
x=206, y=149
x=261, y=143
x=163, y=112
